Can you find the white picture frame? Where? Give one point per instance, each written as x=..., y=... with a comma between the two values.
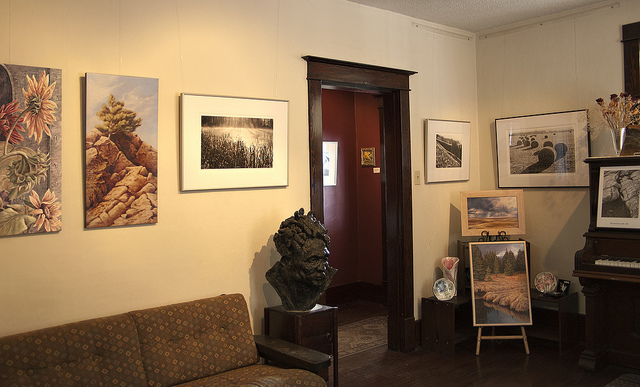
x=543, y=150
x=196, y=175
x=447, y=148
x=614, y=210
x=330, y=163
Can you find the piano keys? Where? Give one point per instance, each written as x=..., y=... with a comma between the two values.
x=618, y=262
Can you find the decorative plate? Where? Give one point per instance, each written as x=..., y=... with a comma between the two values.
x=546, y=282
x=444, y=289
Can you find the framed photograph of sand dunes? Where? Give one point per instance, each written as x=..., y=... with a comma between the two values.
x=500, y=283
x=543, y=150
x=492, y=212
x=233, y=142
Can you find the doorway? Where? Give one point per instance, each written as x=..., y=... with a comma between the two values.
x=395, y=162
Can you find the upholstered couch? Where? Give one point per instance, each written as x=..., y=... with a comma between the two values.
x=206, y=342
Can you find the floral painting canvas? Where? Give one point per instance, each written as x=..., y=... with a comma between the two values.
x=30, y=149
x=121, y=164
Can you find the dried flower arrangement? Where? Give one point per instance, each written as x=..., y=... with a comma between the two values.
x=621, y=111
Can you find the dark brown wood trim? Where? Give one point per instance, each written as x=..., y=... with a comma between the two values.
x=631, y=43
x=396, y=175
x=315, y=148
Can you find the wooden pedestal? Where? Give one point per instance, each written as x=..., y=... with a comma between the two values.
x=316, y=329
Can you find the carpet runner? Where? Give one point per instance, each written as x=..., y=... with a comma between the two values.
x=362, y=335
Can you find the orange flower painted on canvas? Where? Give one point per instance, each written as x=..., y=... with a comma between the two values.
x=47, y=211
x=7, y=120
x=40, y=108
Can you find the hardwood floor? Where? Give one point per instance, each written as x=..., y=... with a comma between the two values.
x=500, y=363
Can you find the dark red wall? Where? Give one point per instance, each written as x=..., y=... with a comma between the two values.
x=352, y=209
x=369, y=191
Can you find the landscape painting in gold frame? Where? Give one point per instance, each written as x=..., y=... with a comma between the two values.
x=492, y=211
x=500, y=283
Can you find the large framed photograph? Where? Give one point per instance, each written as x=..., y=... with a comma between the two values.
x=330, y=163
x=492, y=211
x=618, y=197
x=500, y=283
x=544, y=150
x=232, y=142
x=447, y=146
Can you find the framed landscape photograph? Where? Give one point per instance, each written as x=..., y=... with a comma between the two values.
x=232, y=142
x=447, y=146
x=500, y=283
x=618, y=197
x=330, y=163
x=544, y=150
x=492, y=211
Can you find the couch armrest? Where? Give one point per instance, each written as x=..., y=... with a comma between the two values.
x=288, y=354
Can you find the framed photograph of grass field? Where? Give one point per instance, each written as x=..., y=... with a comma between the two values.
x=500, y=283
x=492, y=211
x=232, y=142
x=544, y=150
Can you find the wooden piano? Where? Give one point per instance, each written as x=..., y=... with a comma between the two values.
x=608, y=266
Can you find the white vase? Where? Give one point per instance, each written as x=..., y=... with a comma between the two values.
x=450, y=270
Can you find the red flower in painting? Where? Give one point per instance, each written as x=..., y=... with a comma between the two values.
x=8, y=118
x=40, y=107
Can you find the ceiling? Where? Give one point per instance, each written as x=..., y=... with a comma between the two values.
x=478, y=15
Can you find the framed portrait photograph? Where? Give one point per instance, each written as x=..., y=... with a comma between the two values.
x=330, y=163
x=233, y=142
x=447, y=146
x=544, y=150
x=500, y=283
x=368, y=157
x=492, y=211
x=618, y=197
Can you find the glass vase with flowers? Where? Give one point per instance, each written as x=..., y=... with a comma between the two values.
x=621, y=111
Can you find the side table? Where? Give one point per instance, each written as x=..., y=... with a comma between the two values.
x=316, y=329
x=445, y=323
x=555, y=318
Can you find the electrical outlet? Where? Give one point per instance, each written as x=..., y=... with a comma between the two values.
x=416, y=177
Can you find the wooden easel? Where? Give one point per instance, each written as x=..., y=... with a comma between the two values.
x=523, y=336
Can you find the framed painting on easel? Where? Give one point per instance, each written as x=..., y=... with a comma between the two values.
x=500, y=288
x=500, y=283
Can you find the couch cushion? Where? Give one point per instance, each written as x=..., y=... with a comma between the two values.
x=96, y=352
x=260, y=375
x=196, y=339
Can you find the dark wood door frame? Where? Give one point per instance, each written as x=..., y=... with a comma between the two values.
x=393, y=85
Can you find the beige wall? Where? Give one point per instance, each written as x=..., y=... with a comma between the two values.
x=210, y=242
x=213, y=242
x=559, y=66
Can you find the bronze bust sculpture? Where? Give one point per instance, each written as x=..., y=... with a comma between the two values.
x=303, y=273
